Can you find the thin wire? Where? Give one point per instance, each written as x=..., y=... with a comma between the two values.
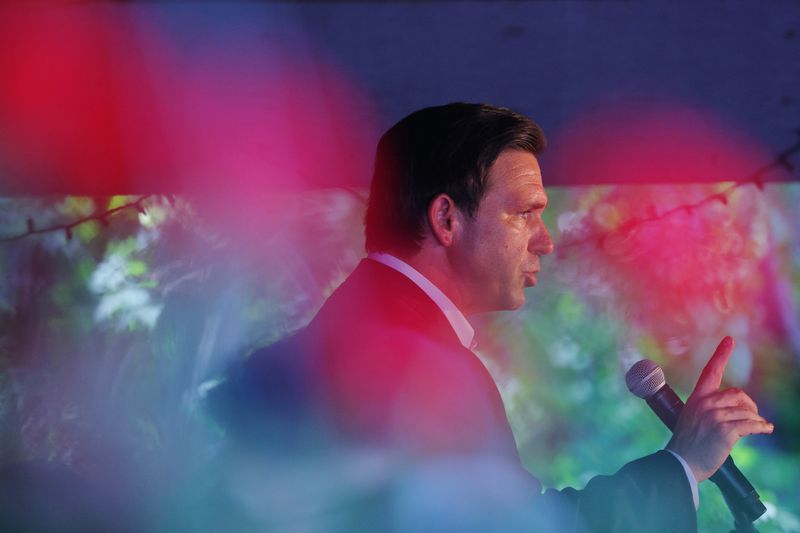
x=102, y=217
x=755, y=178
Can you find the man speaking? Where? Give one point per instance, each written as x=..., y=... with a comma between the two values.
x=454, y=228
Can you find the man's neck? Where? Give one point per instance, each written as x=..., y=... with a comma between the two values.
x=460, y=324
x=435, y=267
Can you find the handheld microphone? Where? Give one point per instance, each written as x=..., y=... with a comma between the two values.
x=646, y=380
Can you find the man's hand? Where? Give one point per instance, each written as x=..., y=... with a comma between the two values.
x=713, y=420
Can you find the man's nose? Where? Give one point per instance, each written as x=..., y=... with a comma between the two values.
x=540, y=242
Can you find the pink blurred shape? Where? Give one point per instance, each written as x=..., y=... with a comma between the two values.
x=654, y=142
x=96, y=100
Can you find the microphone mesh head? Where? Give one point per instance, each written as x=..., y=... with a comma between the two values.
x=645, y=378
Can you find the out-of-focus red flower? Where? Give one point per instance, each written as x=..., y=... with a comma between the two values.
x=97, y=99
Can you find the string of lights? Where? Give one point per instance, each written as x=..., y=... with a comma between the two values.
x=755, y=178
x=104, y=217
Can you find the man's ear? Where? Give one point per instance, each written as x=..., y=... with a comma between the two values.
x=443, y=219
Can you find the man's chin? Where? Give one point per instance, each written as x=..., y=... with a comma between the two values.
x=517, y=302
x=505, y=301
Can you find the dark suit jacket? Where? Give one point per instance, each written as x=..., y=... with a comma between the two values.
x=380, y=365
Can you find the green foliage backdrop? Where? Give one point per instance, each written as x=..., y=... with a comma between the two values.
x=110, y=339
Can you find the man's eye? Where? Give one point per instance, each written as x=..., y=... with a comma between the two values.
x=527, y=213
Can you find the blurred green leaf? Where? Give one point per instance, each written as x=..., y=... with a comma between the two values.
x=137, y=268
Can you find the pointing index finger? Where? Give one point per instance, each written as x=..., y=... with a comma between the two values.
x=711, y=377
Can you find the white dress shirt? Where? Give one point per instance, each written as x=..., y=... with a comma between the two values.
x=460, y=324
x=466, y=333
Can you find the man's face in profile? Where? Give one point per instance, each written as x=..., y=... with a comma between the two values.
x=498, y=253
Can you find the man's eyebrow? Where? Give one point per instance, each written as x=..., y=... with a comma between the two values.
x=539, y=202
x=531, y=197
x=532, y=203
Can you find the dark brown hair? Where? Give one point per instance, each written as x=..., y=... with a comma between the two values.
x=444, y=149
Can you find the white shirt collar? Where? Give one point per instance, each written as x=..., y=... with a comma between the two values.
x=462, y=327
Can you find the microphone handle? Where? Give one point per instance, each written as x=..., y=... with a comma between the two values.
x=737, y=491
x=666, y=404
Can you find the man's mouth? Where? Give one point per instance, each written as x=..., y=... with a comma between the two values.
x=530, y=277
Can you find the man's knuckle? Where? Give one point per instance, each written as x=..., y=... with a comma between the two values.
x=743, y=397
